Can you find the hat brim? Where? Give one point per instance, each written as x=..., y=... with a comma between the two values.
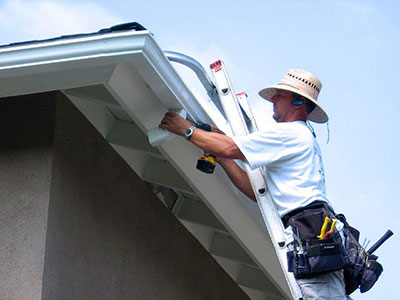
x=318, y=115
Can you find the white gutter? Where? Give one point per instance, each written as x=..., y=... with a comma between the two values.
x=105, y=49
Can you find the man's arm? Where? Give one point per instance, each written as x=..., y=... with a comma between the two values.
x=238, y=177
x=218, y=144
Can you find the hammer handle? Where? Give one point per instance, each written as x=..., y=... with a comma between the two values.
x=383, y=239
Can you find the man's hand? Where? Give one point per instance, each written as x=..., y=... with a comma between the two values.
x=218, y=159
x=174, y=123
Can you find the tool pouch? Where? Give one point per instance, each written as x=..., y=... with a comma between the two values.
x=361, y=270
x=371, y=274
x=355, y=257
x=312, y=256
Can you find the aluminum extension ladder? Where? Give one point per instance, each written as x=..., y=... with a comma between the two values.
x=232, y=107
x=230, y=104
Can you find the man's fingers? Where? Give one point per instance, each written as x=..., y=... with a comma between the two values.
x=171, y=114
x=167, y=119
x=174, y=123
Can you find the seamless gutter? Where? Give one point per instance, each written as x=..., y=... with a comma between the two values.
x=104, y=49
x=71, y=49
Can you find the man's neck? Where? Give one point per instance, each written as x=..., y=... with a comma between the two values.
x=295, y=115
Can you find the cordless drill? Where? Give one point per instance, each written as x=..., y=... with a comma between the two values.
x=207, y=164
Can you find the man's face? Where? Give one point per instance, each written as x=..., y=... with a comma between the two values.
x=282, y=101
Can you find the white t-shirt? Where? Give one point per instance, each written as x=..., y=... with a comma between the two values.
x=292, y=161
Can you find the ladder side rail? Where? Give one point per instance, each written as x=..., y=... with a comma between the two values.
x=242, y=99
x=225, y=93
x=268, y=210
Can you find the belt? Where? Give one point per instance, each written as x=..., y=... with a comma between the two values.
x=315, y=204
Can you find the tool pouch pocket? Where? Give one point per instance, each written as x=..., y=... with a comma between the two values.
x=326, y=255
x=371, y=274
x=298, y=264
x=312, y=256
x=307, y=223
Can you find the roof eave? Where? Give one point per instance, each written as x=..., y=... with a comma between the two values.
x=116, y=60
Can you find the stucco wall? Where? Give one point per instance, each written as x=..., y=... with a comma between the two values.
x=26, y=129
x=108, y=236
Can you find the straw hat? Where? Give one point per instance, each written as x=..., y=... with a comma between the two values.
x=303, y=83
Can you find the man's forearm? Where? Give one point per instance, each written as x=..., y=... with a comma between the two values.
x=217, y=144
x=238, y=177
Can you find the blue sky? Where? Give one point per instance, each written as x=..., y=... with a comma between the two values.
x=352, y=46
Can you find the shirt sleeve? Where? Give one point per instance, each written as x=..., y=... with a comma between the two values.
x=267, y=147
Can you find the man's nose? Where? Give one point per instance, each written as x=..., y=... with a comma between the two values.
x=275, y=99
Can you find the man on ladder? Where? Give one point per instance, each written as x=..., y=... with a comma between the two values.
x=290, y=156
